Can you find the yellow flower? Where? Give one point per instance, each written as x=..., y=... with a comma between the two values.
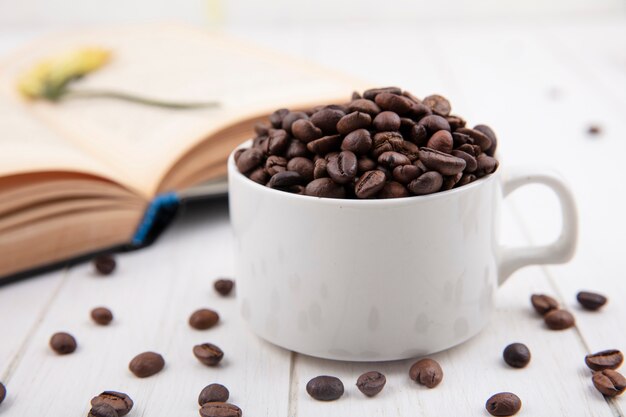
x=48, y=78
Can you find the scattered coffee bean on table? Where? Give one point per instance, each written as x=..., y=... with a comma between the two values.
x=386, y=143
x=503, y=404
x=606, y=359
x=371, y=383
x=220, y=410
x=594, y=130
x=516, y=355
x=224, y=286
x=102, y=410
x=208, y=354
x=102, y=316
x=591, y=300
x=104, y=264
x=325, y=388
x=146, y=364
x=559, y=319
x=3, y=392
x=203, y=319
x=609, y=382
x=121, y=402
x=63, y=343
x=213, y=393
x=543, y=304
x=426, y=372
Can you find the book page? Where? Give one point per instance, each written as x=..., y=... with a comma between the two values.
x=169, y=63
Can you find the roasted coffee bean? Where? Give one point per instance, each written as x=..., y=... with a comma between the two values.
x=418, y=134
x=208, y=354
x=213, y=393
x=277, y=142
x=3, y=392
x=224, y=286
x=455, y=122
x=220, y=410
x=104, y=264
x=450, y=181
x=419, y=110
x=365, y=164
x=63, y=343
x=327, y=119
x=258, y=142
x=358, y=141
x=409, y=95
x=296, y=149
x=393, y=159
x=433, y=123
x=102, y=316
x=387, y=121
x=393, y=102
x=146, y=364
x=325, y=144
x=102, y=410
x=393, y=189
x=469, y=149
x=325, y=388
x=386, y=141
x=439, y=105
x=609, y=382
x=342, y=168
x=408, y=149
x=460, y=139
x=371, y=383
x=290, y=119
x=302, y=166
x=275, y=164
x=356, y=95
x=465, y=179
x=543, y=304
x=369, y=184
x=487, y=131
x=353, y=121
x=305, y=130
x=406, y=173
x=237, y=154
x=607, y=359
x=285, y=179
x=276, y=118
x=516, y=355
x=364, y=106
x=261, y=128
x=203, y=319
x=503, y=404
x=470, y=162
x=426, y=372
x=479, y=138
x=294, y=189
x=559, y=319
x=440, y=141
x=591, y=300
x=121, y=403
x=249, y=159
x=260, y=176
x=373, y=92
x=324, y=187
x=441, y=162
x=427, y=183
x=319, y=169
x=486, y=164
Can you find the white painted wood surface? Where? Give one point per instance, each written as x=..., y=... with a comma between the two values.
x=538, y=86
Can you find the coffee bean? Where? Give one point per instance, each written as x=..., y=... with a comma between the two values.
x=259, y=176
x=609, y=382
x=386, y=141
x=426, y=372
x=433, y=123
x=365, y=164
x=277, y=142
x=391, y=159
x=102, y=410
x=305, y=130
x=419, y=110
x=469, y=149
x=406, y=173
x=276, y=118
x=387, y=121
x=356, y=95
x=238, y=153
x=470, y=162
x=487, y=131
x=324, y=187
x=594, y=130
x=364, y=106
x=285, y=179
x=224, y=286
x=325, y=388
x=516, y=355
x=121, y=403
x=503, y=404
x=460, y=139
x=249, y=159
x=606, y=359
x=319, y=169
x=146, y=364
x=450, y=181
x=373, y=92
x=104, y=264
x=486, y=164
x=369, y=184
x=353, y=121
x=258, y=142
x=102, y=316
x=3, y=392
x=275, y=164
x=465, y=179
x=441, y=162
x=438, y=104
x=325, y=144
x=427, y=183
x=440, y=141
x=393, y=102
x=327, y=119
x=559, y=319
x=220, y=410
x=455, y=122
x=358, y=141
x=261, y=128
x=393, y=189
x=418, y=134
x=296, y=149
x=208, y=354
x=479, y=138
x=543, y=304
x=302, y=166
x=203, y=319
x=213, y=393
x=591, y=300
x=63, y=343
x=342, y=168
x=290, y=119
x=371, y=383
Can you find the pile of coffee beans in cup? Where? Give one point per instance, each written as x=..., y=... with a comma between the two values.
x=385, y=143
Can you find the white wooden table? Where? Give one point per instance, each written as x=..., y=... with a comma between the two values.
x=538, y=85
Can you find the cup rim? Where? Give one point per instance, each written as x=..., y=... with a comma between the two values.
x=232, y=170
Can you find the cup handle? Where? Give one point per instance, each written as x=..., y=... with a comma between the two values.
x=559, y=251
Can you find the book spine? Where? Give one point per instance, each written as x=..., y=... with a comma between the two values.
x=159, y=214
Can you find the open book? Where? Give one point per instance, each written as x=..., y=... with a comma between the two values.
x=83, y=175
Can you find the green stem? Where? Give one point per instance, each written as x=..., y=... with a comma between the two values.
x=117, y=95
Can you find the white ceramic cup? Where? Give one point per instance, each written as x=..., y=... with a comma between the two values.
x=371, y=280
